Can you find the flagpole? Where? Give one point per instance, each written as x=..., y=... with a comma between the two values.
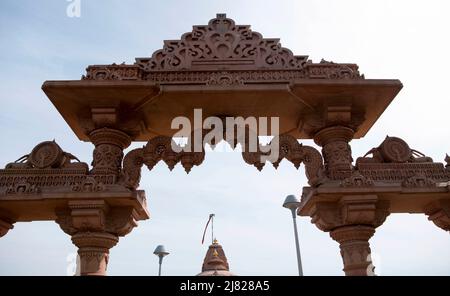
x=212, y=228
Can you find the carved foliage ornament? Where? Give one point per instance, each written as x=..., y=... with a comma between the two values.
x=162, y=148
x=222, y=42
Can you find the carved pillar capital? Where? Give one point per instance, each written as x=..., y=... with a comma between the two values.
x=355, y=250
x=95, y=227
x=439, y=213
x=336, y=151
x=96, y=216
x=108, y=152
x=351, y=221
x=350, y=210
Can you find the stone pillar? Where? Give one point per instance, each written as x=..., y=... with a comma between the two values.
x=351, y=221
x=439, y=213
x=336, y=151
x=95, y=228
x=355, y=250
x=93, y=249
x=108, y=152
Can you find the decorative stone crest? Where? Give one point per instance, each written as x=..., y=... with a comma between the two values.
x=222, y=43
x=223, y=54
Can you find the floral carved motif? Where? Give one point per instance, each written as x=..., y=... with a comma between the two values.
x=225, y=79
x=290, y=149
x=222, y=43
x=157, y=149
x=338, y=157
x=107, y=158
x=162, y=148
x=113, y=72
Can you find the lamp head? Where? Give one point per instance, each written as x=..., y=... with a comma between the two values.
x=161, y=251
x=291, y=202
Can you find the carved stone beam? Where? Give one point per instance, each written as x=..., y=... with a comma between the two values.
x=439, y=213
x=351, y=221
x=95, y=228
x=108, y=152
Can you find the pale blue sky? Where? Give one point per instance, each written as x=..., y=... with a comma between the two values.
x=388, y=39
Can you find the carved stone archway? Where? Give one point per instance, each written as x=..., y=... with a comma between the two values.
x=223, y=69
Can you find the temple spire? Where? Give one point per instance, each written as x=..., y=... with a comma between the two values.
x=215, y=262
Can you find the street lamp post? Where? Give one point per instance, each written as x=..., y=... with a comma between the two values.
x=161, y=252
x=291, y=202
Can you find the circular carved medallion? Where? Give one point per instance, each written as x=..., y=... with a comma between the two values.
x=46, y=154
x=394, y=149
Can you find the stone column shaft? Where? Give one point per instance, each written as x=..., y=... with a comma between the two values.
x=336, y=151
x=93, y=249
x=108, y=152
x=355, y=250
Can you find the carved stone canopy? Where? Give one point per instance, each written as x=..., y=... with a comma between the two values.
x=225, y=69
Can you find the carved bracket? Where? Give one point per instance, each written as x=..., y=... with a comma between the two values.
x=439, y=213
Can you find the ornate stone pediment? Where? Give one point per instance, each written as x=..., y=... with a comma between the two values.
x=223, y=53
x=222, y=43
